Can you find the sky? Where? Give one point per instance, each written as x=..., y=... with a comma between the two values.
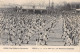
x=20, y=2
x=34, y=2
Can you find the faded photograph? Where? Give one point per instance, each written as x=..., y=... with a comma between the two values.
x=39, y=23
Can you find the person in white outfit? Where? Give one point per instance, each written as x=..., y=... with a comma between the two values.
x=68, y=41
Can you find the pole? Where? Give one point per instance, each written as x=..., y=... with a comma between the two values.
x=49, y=3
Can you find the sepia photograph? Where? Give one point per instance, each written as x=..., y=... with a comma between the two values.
x=40, y=23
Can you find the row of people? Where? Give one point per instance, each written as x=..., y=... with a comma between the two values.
x=71, y=29
x=17, y=29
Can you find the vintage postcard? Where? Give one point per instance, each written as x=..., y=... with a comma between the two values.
x=39, y=25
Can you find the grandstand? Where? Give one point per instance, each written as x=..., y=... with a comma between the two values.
x=34, y=8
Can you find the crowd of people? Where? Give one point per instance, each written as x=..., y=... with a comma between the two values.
x=71, y=29
x=18, y=28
